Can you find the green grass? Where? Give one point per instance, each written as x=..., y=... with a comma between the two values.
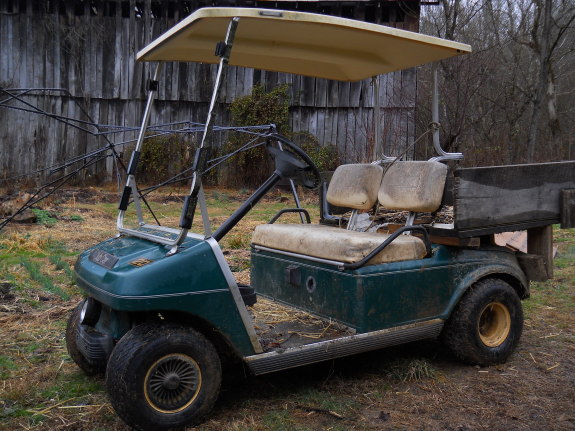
x=279, y=420
x=44, y=217
x=73, y=385
x=220, y=204
x=36, y=274
x=6, y=366
x=326, y=400
x=35, y=255
x=61, y=265
x=237, y=241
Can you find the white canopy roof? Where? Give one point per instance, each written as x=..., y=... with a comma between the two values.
x=302, y=43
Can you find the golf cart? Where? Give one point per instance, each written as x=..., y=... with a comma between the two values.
x=163, y=307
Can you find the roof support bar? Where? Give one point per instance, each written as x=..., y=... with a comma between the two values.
x=130, y=187
x=443, y=155
x=223, y=50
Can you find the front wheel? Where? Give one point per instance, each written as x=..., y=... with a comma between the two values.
x=486, y=324
x=161, y=377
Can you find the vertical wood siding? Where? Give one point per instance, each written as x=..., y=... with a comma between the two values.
x=88, y=48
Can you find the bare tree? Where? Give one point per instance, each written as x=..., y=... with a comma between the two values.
x=515, y=90
x=551, y=21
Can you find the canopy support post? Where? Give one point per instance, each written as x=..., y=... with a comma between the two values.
x=443, y=155
x=130, y=189
x=223, y=50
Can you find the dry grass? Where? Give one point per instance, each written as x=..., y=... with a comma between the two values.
x=417, y=386
x=269, y=315
x=18, y=243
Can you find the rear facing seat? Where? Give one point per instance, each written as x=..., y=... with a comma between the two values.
x=358, y=186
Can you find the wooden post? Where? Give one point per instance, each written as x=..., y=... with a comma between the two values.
x=540, y=244
x=567, y=208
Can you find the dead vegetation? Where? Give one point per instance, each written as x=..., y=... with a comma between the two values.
x=279, y=326
x=413, y=387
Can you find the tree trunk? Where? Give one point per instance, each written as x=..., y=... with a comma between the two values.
x=542, y=45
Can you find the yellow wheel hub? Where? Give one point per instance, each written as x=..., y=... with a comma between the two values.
x=172, y=383
x=494, y=324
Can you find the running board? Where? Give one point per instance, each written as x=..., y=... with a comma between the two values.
x=344, y=346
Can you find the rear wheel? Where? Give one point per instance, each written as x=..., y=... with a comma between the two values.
x=161, y=377
x=72, y=344
x=486, y=325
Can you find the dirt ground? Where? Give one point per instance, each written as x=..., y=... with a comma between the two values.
x=419, y=386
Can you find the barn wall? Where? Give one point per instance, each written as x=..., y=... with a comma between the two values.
x=88, y=48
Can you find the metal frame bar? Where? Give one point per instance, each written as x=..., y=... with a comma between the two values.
x=443, y=155
x=343, y=346
x=196, y=186
x=131, y=180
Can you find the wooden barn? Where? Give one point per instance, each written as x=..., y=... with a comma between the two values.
x=87, y=47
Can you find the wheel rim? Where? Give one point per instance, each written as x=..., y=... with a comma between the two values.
x=172, y=383
x=494, y=324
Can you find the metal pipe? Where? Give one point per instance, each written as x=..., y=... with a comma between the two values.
x=196, y=174
x=246, y=206
x=376, y=118
x=443, y=155
x=148, y=110
x=435, y=110
x=131, y=180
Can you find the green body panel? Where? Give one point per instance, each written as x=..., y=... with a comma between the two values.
x=380, y=296
x=190, y=281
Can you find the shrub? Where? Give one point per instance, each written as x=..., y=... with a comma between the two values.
x=163, y=157
x=251, y=168
x=325, y=157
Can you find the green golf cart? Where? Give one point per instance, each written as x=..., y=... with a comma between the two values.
x=163, y=308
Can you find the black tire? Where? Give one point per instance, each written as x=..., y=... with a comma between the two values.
x=163, y=376
x=72, y=346
x=486, y=325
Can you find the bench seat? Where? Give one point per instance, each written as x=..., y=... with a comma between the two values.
x=336, y=244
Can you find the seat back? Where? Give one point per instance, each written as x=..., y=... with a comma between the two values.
x=415, y=186
x=355, y=186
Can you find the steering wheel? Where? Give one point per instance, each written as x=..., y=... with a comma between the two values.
x=294, y=163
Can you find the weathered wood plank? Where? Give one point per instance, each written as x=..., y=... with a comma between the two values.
x=355, y=94
x=313, y=124
x=533, y=265
x=103, y=75
x=115, y=84
x=507, y=195
x=343, y=96
x=332, y=94
x=183, y=81
x=248, y=81
x=320, y=92
x=567, y=208
x=540, y=243
x=139, y=80
x=4, y=53
x=307, y=91
x=321, y=129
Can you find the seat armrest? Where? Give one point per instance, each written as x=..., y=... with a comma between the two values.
x=388, y=241
x=290, y=210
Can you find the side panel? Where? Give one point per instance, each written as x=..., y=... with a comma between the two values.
x=191, y=281
x=379, y=296
x=505, y=198
x=311, y=286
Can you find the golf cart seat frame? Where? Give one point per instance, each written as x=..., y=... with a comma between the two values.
x=415, y=186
